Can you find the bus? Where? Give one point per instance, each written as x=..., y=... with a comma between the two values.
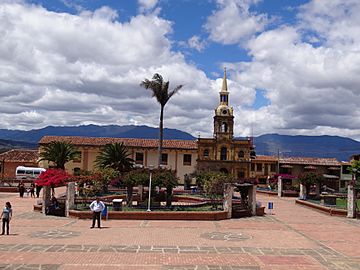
x=28, y=172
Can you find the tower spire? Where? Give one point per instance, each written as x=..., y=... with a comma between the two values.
x=224, y=84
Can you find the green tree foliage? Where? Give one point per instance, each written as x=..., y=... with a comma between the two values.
x=160, y=90
x=114, y=156
x=167, y=179
x=213, y=184
x=355, y=171
x=59, y=152
x=133, y=178
x=308, y=179
x=104, y=177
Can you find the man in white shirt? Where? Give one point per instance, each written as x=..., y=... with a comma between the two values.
x=97, y=207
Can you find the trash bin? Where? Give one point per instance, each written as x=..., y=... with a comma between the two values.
x=117, y=204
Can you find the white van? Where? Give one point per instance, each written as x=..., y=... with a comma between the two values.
x=28, y=172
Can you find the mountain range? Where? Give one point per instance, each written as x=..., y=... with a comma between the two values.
x=269, y=144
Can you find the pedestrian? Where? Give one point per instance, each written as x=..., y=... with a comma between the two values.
x=6, y=216
x=32, y=190
x=21, y=189
x=97, y=207
x=38, y=189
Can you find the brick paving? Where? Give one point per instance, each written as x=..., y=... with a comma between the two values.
x=294, y=237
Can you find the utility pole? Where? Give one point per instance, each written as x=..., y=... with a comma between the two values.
x=278, y=161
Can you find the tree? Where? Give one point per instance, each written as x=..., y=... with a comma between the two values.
x=213, y=183
x=114, y=156
x=355, y=170
x=166, y=178
x=53, y=178
x=104, y=177
x=309, y=179
x=59, y=152
x=160, y=90
x=133, y=178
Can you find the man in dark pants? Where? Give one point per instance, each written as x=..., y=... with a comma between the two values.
x=96, y=207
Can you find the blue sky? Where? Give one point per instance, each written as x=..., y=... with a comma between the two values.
x=292, y=65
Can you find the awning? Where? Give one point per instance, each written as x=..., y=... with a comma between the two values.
x=330, y=176
x=310, y=167
x=286, y=166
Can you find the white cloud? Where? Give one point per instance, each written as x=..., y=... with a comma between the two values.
x=233, y=22
x=196, y=43
x=86, y=68
x=147, y=5
x=312, y=90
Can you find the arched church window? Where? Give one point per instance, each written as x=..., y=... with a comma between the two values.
x=223, y=127
x=206, y=153
x=241, y=154
x=223, y=153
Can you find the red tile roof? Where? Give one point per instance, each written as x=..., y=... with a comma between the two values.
x=310, y=161
x=266, y=158
x=20, y=155
x=146, y=143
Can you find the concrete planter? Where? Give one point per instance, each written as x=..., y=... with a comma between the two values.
x=154, y=215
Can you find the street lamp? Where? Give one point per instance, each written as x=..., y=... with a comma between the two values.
x=151, y=167
x=354, y=176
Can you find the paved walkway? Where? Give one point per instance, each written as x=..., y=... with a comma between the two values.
x=294, y=237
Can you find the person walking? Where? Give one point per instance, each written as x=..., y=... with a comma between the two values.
x=6, y=216
x=96, y=207
x=21, y=189
x=32, y=190
x=38, y=189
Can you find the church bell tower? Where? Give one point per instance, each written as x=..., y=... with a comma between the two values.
x=224, y=117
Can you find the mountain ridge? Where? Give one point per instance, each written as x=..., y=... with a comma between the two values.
x=268, y=144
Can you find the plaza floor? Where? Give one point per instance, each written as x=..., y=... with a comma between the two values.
x=294, y=237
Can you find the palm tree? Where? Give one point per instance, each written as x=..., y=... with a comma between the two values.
x=160, y=90
x=114, y=156
x=59, y=152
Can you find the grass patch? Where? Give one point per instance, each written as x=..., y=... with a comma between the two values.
x=342, y=203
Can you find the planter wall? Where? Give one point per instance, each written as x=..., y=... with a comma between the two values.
x=324, y=209
x=268, y=192
x=9, y=189
x=178, y=215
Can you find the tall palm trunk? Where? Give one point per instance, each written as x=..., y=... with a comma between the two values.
x=161, y=134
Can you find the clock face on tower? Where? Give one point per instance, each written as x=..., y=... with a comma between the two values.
x=224, y=112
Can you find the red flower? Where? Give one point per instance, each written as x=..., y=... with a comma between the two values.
x=53, y=178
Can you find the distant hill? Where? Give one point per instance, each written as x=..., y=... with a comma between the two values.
x=10, y=144
x=111, y=131
x=307, y=146
x=269, y=144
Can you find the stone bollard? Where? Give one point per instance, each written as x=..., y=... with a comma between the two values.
x=70, y=198
x=280, y=186
x=46, y=198
x=302, y=194
x=140, y=192
x=351, y=202
x=227, y=202
x=252, y=199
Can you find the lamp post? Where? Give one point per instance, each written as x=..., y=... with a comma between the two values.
x=354, y=176
x=149, y=201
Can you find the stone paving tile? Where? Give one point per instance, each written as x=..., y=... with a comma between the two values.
x=209, y=267
x=29, y=266
x=283, y=241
